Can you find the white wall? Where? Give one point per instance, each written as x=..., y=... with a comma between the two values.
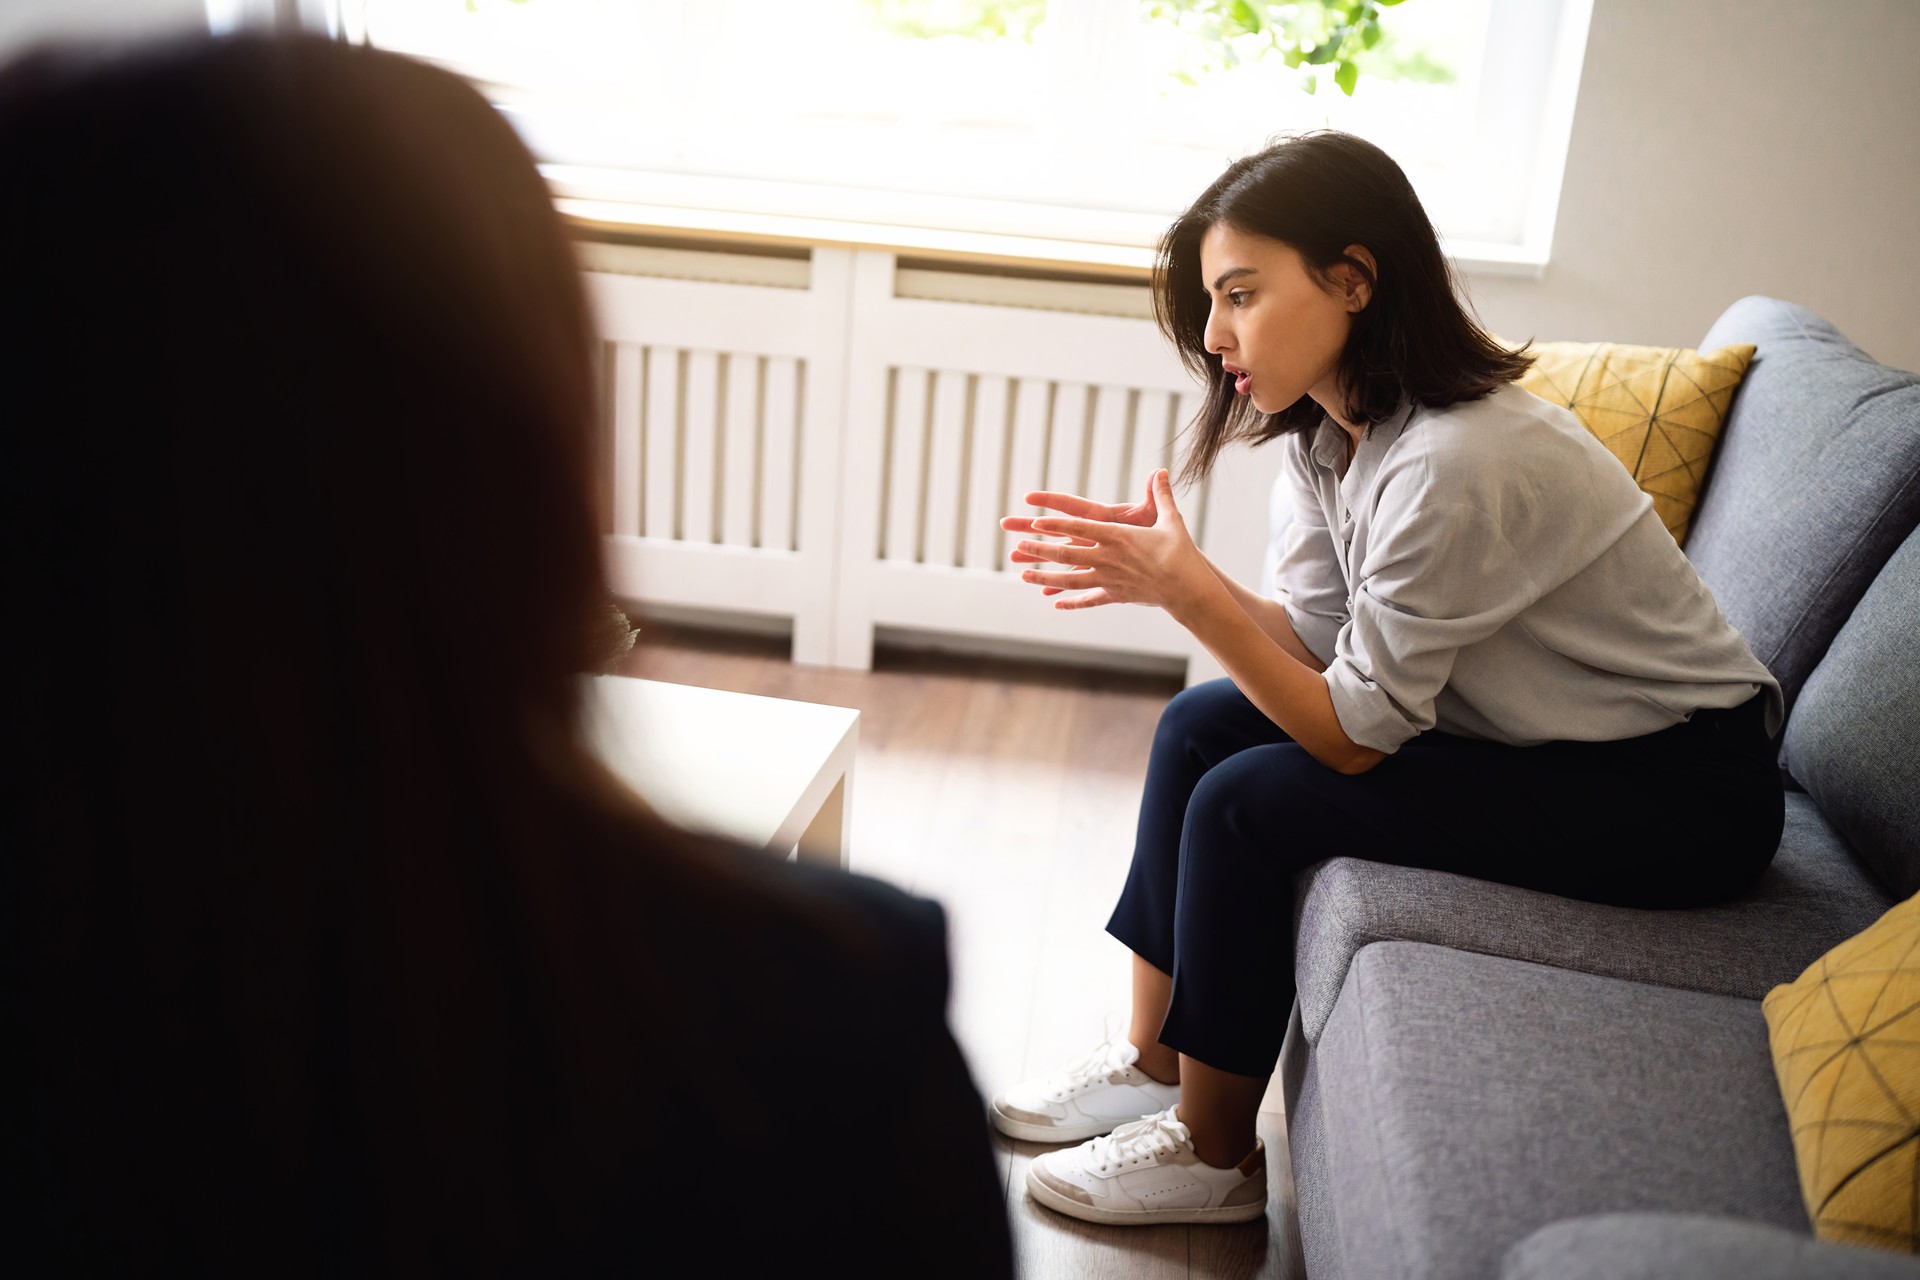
x=1728, y=147
x=24, y=22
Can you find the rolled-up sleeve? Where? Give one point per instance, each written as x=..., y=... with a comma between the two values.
x=1307, y=576
x=1441, y=578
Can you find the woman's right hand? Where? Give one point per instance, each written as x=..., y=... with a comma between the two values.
x=1142, y=513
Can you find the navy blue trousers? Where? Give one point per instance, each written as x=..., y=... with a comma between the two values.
x=1234, y=809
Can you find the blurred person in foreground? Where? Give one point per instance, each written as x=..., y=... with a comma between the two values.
x=329, y=947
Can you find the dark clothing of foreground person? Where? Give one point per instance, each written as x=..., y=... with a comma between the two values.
x=326, y=944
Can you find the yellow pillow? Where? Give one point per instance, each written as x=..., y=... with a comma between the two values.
x=1659, y=409
x=1846, y=1047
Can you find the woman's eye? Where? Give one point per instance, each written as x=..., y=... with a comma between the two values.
x=1237, y=297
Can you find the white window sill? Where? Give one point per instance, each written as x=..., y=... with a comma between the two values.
x=984, y=232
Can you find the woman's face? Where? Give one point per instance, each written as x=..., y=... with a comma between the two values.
x=1277, y=329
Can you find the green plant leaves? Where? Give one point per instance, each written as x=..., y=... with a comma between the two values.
x=1304, y=33
x=1343, y=36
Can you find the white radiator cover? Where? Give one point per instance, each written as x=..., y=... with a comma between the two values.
x=841, y=456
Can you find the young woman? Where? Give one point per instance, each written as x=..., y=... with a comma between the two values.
x=329, y=948
x=1483, y=638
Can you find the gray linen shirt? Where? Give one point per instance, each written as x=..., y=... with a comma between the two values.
x=1490, y=570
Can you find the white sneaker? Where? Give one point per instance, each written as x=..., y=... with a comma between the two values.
x=1090, y=1097
x=1148, y=1172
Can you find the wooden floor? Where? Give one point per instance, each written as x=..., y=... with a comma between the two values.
x=1007, y=791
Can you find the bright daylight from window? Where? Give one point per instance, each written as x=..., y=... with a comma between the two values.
x=1091, y=120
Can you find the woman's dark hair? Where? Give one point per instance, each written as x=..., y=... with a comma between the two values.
x=1319, y=193
x=314, y=955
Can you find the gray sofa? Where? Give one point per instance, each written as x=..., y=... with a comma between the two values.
x=1487, y=1081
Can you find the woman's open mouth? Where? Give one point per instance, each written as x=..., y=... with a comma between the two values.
x=1241, y=378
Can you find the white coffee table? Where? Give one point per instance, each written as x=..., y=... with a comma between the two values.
x=768, y=772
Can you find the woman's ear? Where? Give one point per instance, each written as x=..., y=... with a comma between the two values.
x=1357, y=285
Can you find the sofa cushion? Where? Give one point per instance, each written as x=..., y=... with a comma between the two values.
x=1480, y=1099
x=1854, y=742
x=1815, y=482
x=1662, y=1246
x=1657, y=409
x=1813, y=896
x=1846, y=1048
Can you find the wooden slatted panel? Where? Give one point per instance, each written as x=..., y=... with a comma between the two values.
x=1027, y=452
x=987, y=497
x=661, y=444
x=906, y=454
x=1026, y=343
x=1192, y=505
x=629, y=376
x=740, y=450
x=946, y=475
x=1107, y=479
x=603, y=435
x=700, y=444
x=1067, y=439
x=779, y=453
x=1152, y=428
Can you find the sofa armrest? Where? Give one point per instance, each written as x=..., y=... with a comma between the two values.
x=1671, y=1246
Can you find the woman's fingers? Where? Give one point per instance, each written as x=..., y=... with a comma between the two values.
x=1067, y=580
x=1089, y=531
x=1058, y=553
x=1089, y=600
x=1021, y=524
x=1024, y=524
x=1169, y=514
x=1070, y=504
x=1091, y=515
x=1016, y=556
x=1102, y=554
x=1076, y=586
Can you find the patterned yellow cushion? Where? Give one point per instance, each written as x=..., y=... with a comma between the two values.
x=1659, y=409
x=1846, y=1047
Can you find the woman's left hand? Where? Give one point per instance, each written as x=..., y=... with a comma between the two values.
x=1107, y=563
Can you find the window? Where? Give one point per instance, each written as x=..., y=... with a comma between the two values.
x=1072, y=120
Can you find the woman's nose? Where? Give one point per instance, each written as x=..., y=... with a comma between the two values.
x=1215, y=337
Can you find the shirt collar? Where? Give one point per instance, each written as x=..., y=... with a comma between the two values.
x=1329, y=444
x=1329, y=447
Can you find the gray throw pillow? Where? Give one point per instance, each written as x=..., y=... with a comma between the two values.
x=1854, y=740
x=1815, y=482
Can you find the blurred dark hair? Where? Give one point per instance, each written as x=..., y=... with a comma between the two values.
x=308, y=873
x=1320, y=192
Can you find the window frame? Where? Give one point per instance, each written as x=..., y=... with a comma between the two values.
x=1540, y=91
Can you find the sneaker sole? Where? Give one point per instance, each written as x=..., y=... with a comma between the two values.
x=1047, y=1196
x=1055, y=1133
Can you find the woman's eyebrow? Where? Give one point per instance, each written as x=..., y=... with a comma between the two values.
x=1232, y=272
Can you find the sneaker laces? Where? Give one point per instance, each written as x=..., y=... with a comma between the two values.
x=1157, y=1135
x=1109, y=1057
